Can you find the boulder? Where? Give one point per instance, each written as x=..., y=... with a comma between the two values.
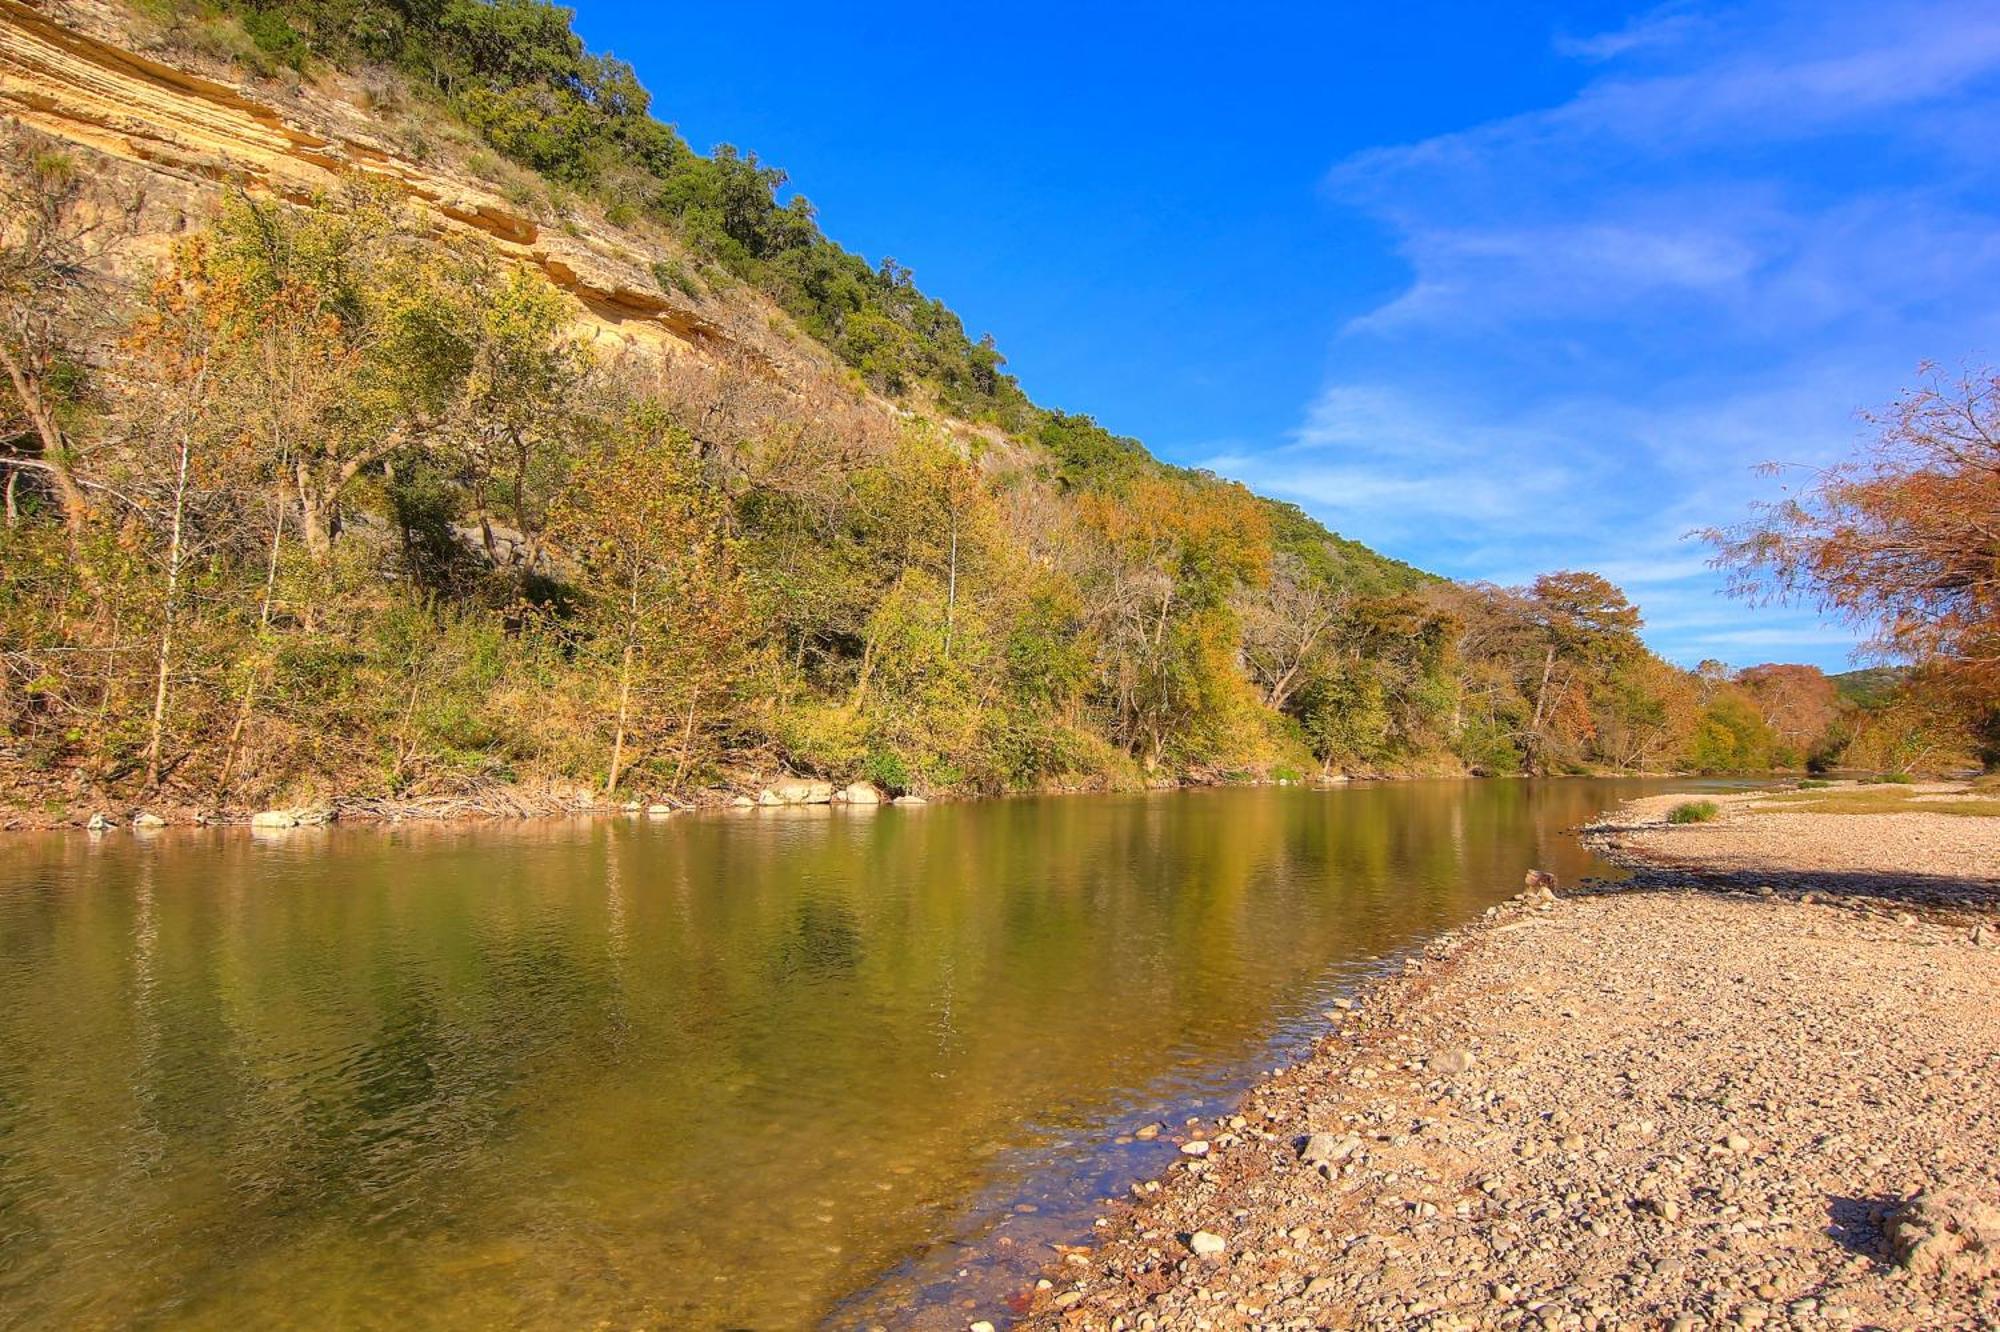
x=911, y=800
x=742, y=802
x=274, y=818
x=659, y=811
x=802, y=791
x=862, y=793
x=767, y=797
x=1950, y=1232
x=98, y=823
x=149, y=819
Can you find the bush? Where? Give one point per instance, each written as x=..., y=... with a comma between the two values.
x=1813, y=783
x=1888, y=779
x=1695, y=811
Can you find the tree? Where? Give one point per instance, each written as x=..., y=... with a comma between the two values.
x=518, y=389
x=1798, y=703
x=45, y=287
x=648, y=539
x=1288, y=627
x=175, y=341
x=1583, y=625
x=1903, y=542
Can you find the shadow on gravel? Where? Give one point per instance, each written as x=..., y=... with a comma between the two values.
x=1981, y=895
x=1855, y=1224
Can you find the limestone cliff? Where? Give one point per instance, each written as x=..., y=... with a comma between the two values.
x=91, y=74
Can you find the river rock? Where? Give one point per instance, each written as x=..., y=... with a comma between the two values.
x=862, y=793
x=742, y=802
x=1195, y=1148
x=274, y=818
x=659, y=811
x=313, y=815
x=1452, y=1062
x=149, y=819
x=1207, y=1244
x=1539, y=881
x=1952, y=1232
x=767, y=797
x=1328, y=1148
x=911, y=800
x=98, y=823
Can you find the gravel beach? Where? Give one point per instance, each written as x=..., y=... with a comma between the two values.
x=1753, y=1087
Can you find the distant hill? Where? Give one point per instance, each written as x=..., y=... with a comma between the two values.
x=1871, y=686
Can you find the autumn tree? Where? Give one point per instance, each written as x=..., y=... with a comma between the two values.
x=1798, y=703
x=1903, y=541
x=1287, y=627
x=665, y=600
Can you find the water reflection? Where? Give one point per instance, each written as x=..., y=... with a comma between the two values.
x=701, y=1073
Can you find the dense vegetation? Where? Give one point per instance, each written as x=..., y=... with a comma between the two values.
x=515, y=73
x=335, y=506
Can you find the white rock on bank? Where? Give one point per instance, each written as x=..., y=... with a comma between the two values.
x=862, y=793
x=274, y=818
x=802, y=791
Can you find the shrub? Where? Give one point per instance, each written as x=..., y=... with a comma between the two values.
x=1889, y=779
x=1695, y=811
x=1813, y=783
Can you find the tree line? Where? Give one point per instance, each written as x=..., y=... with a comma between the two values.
x=333, y=503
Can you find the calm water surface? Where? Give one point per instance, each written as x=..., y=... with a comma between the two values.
x=770, y=1071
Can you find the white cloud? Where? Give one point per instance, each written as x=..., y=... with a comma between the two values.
x=1746, y=226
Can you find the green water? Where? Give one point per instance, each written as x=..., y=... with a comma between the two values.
x=761, y=1071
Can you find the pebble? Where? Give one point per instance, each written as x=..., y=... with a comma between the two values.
x=1668, y=1088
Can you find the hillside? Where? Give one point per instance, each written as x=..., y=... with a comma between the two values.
x=401, y=412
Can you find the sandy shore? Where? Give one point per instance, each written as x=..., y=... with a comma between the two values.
x=1703, y=1099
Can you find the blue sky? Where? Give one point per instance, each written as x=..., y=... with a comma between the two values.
x=1495, y=288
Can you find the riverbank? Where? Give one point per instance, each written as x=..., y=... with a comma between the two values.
x=509, y=801
x=1703, y=1098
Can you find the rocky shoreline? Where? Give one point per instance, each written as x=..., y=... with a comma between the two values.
x=1742, y=1089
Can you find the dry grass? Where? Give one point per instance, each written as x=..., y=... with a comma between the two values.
x=1881, y=800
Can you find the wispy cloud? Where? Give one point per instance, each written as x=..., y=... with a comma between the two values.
x=1744, y=225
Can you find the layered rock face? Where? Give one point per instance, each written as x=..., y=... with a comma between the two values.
x=176, y=136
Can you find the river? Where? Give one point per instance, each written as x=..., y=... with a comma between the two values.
x=779, y=1069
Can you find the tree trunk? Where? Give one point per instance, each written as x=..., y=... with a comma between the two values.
x=315, y=523
x=167, y=616
x=687, y=738
x=951, y=588
x=1541, y=705
x=624, y=706
x=263, y=623
x=55, y=457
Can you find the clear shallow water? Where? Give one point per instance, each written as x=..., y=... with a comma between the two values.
x=768, y=1071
